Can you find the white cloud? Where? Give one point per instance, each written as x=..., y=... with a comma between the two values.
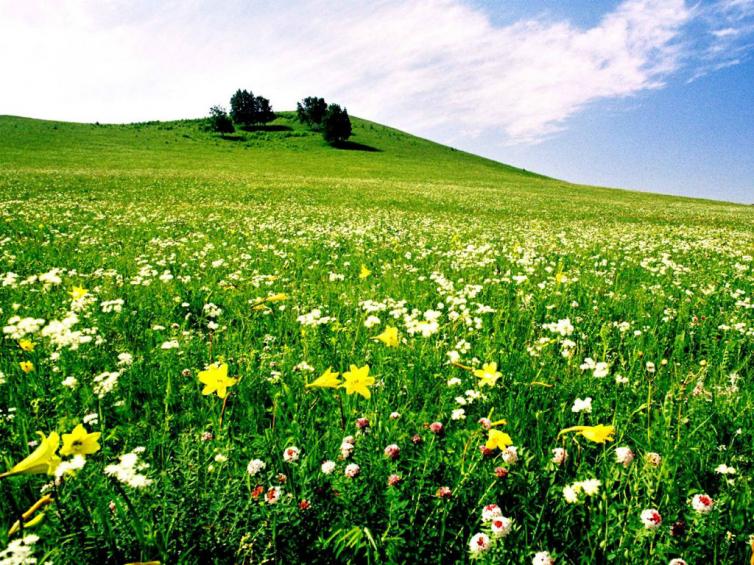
x=429, y=66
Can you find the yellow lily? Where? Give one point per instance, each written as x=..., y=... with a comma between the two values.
x=78, y=292
x=26, y=366
x=357, y=380
x=42, y=460
x=597, y=434
x=364, y=272
x=216, y=379
x=488, y=374
x=26, y=345
x=328, y=379
x=26, y=517
x=79, y=442
x=498, y=440
x=389, y=337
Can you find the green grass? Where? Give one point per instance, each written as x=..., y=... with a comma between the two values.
x=168, y=218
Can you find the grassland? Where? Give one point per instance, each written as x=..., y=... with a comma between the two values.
x=136, y=260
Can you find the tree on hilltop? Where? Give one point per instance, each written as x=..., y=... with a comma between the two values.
x=336, y=125
x=311, y=110
x=219, y=120
x=247, y=109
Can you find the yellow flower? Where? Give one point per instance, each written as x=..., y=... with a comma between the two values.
x=498, y=440
x=364, y=272
x=26, y=366
x=488, y=374
x=27, y=345
x=261, y=303
x=78, y=292
x=79, y=442
x=357, y=380
x=216, y=379
x=597, y=434
x=327, y=380
x=42, y=460
x=389, y=337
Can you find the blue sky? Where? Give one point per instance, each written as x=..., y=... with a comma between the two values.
x=653, y=95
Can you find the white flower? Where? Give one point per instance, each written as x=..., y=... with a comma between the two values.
x=172, y=344
x=562, y=327
x=559, y=455
x=125, y=359
x=677, y=561
x=723, y=469
x=70, y=382
x=328, y=467
x=70, y=467
x=372, y=321
x=255, y=466
x=570, y=494
x=590, y=487
x=702, y=503
x=624, y=456
x=291, y=454
x=582, y=405
x=601, y=369
x=510, y=454
x=491, y=511
x=479, y=543
x=346, y=448
x=128, y=470
x=91, y=419
x=501, y=526
x=220, y=458
x=352, y=470
x=542, y=558
x=454, y=381
x=458, y=414
x=651, y=518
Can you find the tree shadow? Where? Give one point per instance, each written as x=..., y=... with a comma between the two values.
x=232, y=137
x=355, y=146
x=267, y=127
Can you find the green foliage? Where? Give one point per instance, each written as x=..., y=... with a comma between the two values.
x=311, y=111
x=249, y=110
x=219, y=121
x=160, y=221
x=336, y=125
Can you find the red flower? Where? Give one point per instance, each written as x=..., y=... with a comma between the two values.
x=443, y=492
x=304, y=505
x=501, y=472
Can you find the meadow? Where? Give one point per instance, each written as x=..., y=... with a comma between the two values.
x=262, y=349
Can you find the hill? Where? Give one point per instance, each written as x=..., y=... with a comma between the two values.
x=380, y=166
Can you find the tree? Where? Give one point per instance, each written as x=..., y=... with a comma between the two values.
x=336, y=125
x=247, y=109
x=311, y=110
x=243, y=107
x=219, y=120
x=264, y=111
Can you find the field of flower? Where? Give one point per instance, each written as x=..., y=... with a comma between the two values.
x=266, y=350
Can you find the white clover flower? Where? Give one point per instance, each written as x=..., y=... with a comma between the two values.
x=624, y=456
x=542, y=558
x=491, y=511
x=501, y=526
x=651, y=518
x=702, y=503
x=291, y=454
x=328, y=467
x=352, y=470
x=479, y=543
x=255, y=466
x=559, y=455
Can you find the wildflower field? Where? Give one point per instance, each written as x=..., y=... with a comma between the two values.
x=263, y=349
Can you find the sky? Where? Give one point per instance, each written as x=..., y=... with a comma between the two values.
x=654, y=95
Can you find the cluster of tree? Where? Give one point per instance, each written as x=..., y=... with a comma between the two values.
x=248, y=110
x=331, y=120
x=245, y=110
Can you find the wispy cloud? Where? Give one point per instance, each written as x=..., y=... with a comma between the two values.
x=429, y=66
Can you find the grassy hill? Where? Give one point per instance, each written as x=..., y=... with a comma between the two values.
x=518, y=364
x=380, y=166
